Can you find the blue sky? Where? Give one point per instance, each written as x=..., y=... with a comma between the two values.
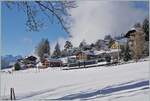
x=141, y=5
x=17, y=41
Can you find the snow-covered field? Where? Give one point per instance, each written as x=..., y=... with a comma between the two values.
x=127, y=82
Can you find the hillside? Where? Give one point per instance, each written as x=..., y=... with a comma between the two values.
x=128, y=82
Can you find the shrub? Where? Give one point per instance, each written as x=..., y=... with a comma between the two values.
x=17, y=66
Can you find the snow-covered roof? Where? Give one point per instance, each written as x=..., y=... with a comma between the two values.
x=132, y=30
x=64, y=59
x=93, y=52
x=39, y=64
x=99, y=52
x=54, y=60
x=113, y=50
x=32, y=58
x=88, y=52
x=73, y=56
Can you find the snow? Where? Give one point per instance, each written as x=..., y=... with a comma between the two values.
x=39, y=64
x=126, y=82
x=99, y=52
x=64, y=59
x=113, y=50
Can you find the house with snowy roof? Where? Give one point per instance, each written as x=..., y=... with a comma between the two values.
x=89, y=55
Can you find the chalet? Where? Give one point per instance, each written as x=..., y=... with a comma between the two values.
x=90, y=55
x=115, y=45
x=29, y=61
x=49, y=62
x=67, y=60
x=114, y=53
x=64, y=60
x=85, y=55
x=100, y=55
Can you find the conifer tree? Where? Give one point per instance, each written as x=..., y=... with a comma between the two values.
x=43, y=48
x=57, y=51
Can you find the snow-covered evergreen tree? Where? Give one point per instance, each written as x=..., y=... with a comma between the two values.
x=146, y=28
x=57, y=51
x=68, y=45
x=43, y=48
x=83, y=45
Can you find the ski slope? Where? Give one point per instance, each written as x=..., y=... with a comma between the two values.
x=127, y=82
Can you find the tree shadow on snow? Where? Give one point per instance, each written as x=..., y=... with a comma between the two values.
x=105, y=91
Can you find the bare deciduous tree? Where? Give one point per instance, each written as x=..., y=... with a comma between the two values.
x=138, y=43
x=51, y=9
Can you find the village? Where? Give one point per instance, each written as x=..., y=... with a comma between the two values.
x=110, y=51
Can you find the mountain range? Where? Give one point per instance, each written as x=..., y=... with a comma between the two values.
x=8, y=60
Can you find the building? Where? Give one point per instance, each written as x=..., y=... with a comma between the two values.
x=85, y=55
x=136, y=40
x=115, y=45
x=50, y=62
x=114, y=53
x=29, y=62
x=90, y=55
x=68, y=60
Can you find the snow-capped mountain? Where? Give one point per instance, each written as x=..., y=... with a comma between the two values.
x=7, y=60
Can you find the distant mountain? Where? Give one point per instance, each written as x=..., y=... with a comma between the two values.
x=7, y=60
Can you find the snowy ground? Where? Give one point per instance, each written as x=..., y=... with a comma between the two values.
x=127, y=82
